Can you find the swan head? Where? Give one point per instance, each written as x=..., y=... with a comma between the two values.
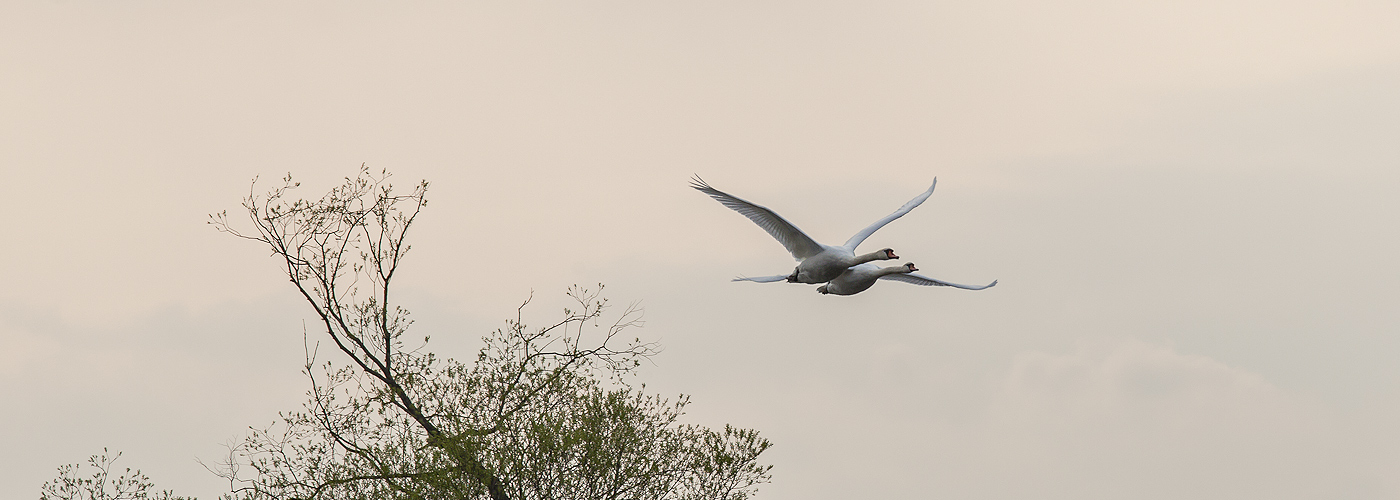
x=822, y=289
x=911, y=267
x=792, y=278
x=889, y=254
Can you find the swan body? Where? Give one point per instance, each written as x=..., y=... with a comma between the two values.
x=860, y=278
x=816, y=263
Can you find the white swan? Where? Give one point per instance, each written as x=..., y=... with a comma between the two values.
x=860, y=278
x=816, y=263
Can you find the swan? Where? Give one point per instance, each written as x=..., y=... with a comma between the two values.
x=816, y=263
x=860, y=278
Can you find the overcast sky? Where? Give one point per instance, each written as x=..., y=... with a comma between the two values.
x=1190, y=207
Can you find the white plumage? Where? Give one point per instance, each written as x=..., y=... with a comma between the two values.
x=817, y=263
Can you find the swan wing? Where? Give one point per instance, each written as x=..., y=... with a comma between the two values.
x=919, y=279
x=798, y=243
x=761, y=279
x=855, y=241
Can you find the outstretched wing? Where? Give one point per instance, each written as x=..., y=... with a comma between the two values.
x=919, y=279
x=761, y=279
x=855, y=241
x=798, y=243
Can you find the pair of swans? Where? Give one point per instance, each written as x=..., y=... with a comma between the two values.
x=844, y=272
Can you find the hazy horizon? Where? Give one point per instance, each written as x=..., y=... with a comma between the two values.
x=1189, y=208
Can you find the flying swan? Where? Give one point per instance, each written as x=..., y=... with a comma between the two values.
x=816, y=263
x=860, y=278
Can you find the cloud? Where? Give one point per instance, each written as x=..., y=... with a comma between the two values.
x=1130, y=419
x=1136, y=379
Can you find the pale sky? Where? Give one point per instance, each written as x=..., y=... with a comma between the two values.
x=1190, y=207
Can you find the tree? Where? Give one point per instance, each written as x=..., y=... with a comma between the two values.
x=542, y=413
x=130, y=485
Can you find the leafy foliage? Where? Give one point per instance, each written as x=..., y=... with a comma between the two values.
x=130, y=485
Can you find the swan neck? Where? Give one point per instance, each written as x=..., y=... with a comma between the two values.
x=894, y=270
x=870, y=257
